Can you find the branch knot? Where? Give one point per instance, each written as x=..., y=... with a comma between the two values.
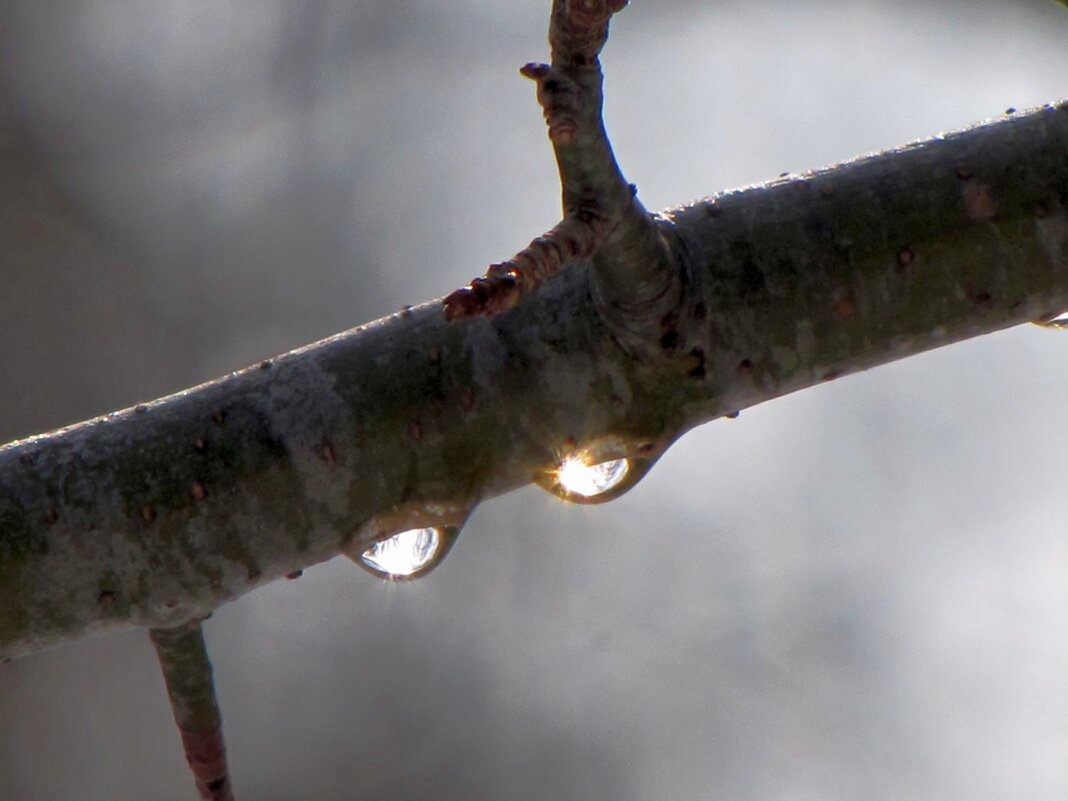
x=603, y=219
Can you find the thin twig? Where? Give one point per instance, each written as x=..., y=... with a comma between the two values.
x=600, y=207
x=187, y=673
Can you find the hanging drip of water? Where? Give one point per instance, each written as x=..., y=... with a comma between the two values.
x=1057, y=321
x=408, y=554
x=591, y=480
x=586, y=476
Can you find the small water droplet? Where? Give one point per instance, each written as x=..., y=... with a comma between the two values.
x=589, y=480
x=408, y=554
x=1056, y=321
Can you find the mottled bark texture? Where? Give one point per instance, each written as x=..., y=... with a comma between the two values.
x=154, y=515
x=187, y=674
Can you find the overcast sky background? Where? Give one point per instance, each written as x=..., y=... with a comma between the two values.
x=856, y=591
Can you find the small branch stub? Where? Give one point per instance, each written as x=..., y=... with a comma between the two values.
x=573, y=238
x=187, y=674
x=603, y=220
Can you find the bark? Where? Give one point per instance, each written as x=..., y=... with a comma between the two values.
x=183, y=658
x=154, y=515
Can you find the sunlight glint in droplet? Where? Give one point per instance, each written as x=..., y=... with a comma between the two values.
x=1060, y=321
x=403, y=555
x=590, y=480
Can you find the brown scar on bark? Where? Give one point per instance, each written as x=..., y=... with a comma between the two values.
x=845, y=309
x=696, y=359
x=980, y=298
x=327, y=454
x=979, y=201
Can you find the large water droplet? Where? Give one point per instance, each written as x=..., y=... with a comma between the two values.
x=580, y=478
x=589, y=480
x=408, y=554
x=602, y=469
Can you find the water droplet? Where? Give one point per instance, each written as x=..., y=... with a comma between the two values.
x=588, y=480
x=408, y=554
x=588, y=477
x=1057, y=321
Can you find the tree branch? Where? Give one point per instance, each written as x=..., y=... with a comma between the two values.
x=191, y=689
x=604, y=220
x=154, y=515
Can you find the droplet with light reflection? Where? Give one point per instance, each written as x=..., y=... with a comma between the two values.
x=589, y=480
x=1060, y=321
x=586, y=476
x=408, y=554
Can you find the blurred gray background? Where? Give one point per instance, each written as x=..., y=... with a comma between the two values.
x=859, y=591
